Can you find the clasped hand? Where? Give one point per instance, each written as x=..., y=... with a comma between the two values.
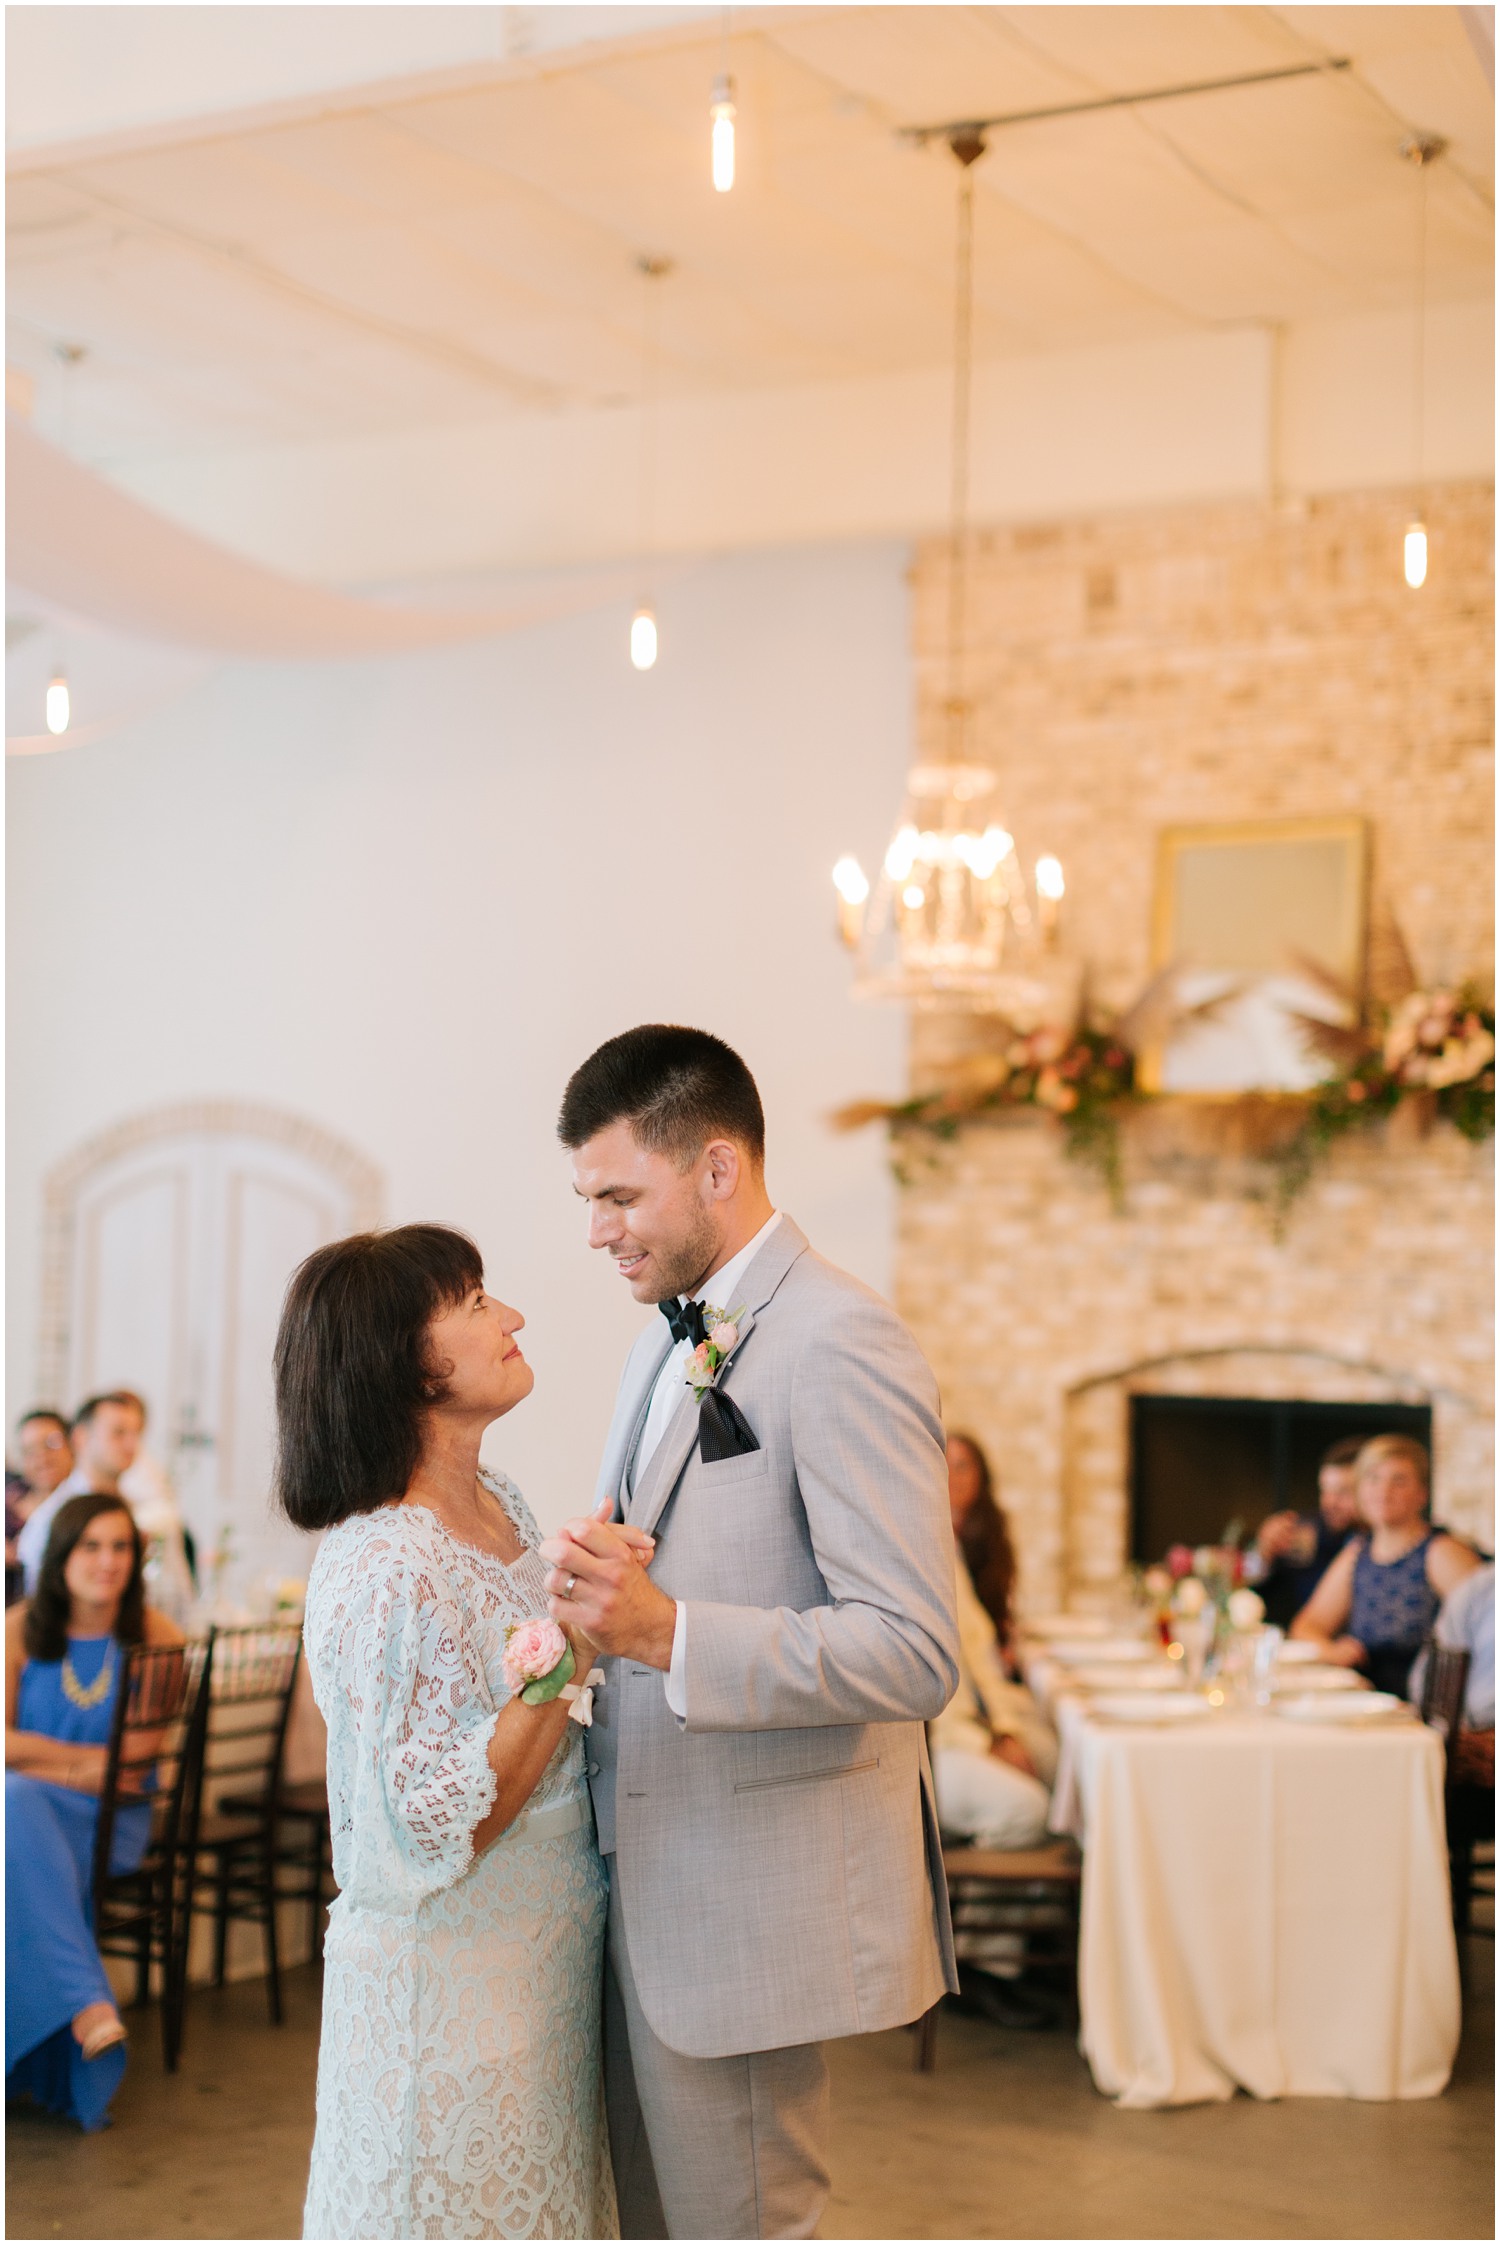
x=599, y=1587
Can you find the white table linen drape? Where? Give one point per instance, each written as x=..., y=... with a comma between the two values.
x=1265, y=1906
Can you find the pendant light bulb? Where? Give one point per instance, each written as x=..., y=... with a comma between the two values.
x=59, y=703
x=722, y=113
x=643, y=639
x=1414, y=554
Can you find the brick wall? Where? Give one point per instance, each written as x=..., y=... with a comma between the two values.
x=1228, y=662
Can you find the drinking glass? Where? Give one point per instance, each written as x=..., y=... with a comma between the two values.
x=1266, y=1646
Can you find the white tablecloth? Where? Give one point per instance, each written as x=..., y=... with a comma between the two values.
x=1265, y=1906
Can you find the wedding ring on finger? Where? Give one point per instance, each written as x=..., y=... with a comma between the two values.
x=570, y=1586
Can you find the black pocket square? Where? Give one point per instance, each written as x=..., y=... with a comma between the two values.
x=723, y=1430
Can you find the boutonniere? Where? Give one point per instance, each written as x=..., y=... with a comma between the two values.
x=704, y=1362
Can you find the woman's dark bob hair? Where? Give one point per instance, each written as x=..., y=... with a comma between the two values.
x=44, y=1633
x=352, y=1374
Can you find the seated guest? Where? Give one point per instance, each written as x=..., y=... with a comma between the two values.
x=994, y=1754
x=1467, y=1624
x=46, y=1462
x=1380, y=1597
x=107, y=1432
x=64, y=1663
x=1292, y=1552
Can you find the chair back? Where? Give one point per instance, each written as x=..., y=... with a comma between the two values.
x=155, y=1755
x=250, y=1699
x=1444, y=1683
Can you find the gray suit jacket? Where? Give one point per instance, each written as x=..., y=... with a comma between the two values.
x=777, y=1854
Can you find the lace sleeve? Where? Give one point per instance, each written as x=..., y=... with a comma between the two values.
x=417, y=1717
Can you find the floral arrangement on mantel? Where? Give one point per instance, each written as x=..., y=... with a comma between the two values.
x=1432, y=1052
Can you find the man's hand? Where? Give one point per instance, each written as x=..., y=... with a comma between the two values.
x=598, y=1583
x=1474, y=1757
x=1275, y=1536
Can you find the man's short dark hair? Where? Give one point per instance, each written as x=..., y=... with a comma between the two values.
x=353, y=1376
x=43, y=1411
x=677, y=1089
x=93, y=1403
x=1343, y=1453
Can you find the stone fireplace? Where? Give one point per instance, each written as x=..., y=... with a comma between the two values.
x=1227, y=662
x=1043, y=1312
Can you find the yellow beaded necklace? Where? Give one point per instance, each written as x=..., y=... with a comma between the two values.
x=89, y=1695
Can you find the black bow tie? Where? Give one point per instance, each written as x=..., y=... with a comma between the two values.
x=685, y=1320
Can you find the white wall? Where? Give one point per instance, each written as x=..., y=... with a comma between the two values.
x=405, y=898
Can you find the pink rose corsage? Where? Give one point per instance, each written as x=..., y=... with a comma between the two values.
x=537, y=1661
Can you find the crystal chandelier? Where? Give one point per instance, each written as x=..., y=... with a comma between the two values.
x=952, y=919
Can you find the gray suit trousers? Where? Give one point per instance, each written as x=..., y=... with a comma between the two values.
x=708, y=2147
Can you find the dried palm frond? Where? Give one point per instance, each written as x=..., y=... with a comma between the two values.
x=1326, y=977
x=1391, y=971
x=859, y=1112
x=1338, y=1041
x=1158, y=1013
x=1149, y=1016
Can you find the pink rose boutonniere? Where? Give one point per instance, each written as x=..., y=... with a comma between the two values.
x=537, y=1660
x=702, y=1367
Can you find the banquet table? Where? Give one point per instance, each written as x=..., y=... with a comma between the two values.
x=1265, y=1903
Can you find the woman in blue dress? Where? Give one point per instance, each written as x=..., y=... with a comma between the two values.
x=1379, y=1599
x=65, y=1654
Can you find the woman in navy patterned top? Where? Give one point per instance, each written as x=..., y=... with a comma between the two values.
x=1380, y=1597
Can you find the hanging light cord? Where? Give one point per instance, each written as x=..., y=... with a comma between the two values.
x=958, y=556
x=652, y=271
x=1419, y=383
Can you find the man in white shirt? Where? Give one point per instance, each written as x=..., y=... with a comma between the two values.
x=757, y=1760
x=106, y=1433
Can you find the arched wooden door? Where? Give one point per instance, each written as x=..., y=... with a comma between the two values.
x=171, y=1240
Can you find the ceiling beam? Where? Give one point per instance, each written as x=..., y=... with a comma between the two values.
x=963, y=127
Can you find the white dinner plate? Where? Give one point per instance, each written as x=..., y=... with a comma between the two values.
x=1320, y=1680
x=1296, y=1653
x=1067, y=1625
x=1167, y=1677
x=1103, y=1649
x=1345, y=1707
x=1150, y=1707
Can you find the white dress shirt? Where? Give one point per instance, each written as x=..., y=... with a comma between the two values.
x=721, y=1290
x=31, y=1543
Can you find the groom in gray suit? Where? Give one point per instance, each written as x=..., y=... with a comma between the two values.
x=757, y=1757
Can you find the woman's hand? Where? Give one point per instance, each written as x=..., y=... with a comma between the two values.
x=85, y=1769
x=1345, y=1652
x=1011, y=1751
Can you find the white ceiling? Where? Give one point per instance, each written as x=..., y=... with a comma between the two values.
x=467, y=254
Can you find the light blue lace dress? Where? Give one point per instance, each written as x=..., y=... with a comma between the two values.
x=459, y=2086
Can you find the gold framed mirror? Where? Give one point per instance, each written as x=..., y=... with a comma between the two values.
x=1261, y=921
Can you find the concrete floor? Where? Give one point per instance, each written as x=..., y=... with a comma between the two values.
x=1007, y=2139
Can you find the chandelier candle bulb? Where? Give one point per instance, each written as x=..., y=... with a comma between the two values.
x=59, y=704
x=643, y=639
x=722, y=113
x=1415, y=555
x=1050, y=888
x=853, y=892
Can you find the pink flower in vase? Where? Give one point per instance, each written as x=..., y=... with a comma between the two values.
x=1179, y=1561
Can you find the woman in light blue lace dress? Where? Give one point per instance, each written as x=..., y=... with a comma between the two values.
x=459, y=2085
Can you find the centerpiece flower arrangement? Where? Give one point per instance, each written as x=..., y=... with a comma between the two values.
x=1204, y=1585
